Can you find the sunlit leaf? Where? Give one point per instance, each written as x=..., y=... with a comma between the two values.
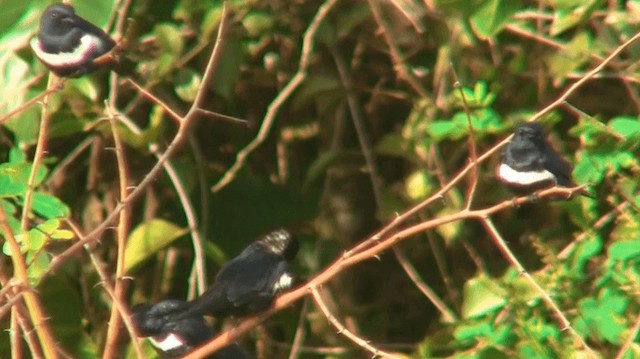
x=49, y=206
x=482, y=295
x=492, y=16
x=624, y=250
x=149, y=238
x=626, y=127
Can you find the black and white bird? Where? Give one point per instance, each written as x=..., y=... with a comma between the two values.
x=245, y=285
x=528, y=163
x=69, y=45
x=248, y=283
x=174, y=337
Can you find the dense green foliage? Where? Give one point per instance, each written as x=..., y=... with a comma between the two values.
x=386, y=78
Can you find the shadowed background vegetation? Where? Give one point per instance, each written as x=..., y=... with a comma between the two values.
x=384, y=80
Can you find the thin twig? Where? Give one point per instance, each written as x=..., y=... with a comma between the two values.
x=394, y=50
x=355, y=108
x=33, y=101
x=471, y=142
x=301, y=331
x=122, y=232
x=344, y=331
x=448, y=314
x=632, y=336
x=106, y=284
x=308, y=44
x=43, y=132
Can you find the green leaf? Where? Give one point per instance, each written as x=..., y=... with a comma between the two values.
x=187, y=83
x=493, y=16
x=392, y=144
x=585, y=250
x=149, y=238
x=418, y=186
x=38, y=266
x=573, y=56
x=603, y=317
x=624, y=250
x=570, y=14
x=469, y=332
x=49, y=206
x=11, y=12
x=443, y=129
x=482, y=295
x=257, y=23
x=626, y=127
x=14, y=178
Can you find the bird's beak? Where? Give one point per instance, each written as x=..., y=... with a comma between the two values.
x=68, y=20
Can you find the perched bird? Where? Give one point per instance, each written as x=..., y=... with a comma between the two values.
x=69, y=45
x=248, y=283
x=528, y=163
x=174, y=337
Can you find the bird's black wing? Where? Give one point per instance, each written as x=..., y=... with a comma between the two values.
x=559, y=167
x=150, y=320
x=252, y=275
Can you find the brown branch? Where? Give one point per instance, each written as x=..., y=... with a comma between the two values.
x=471, y=143
x=344, y=331
x=121, y=235
x=37, y=314
x=118, y=303
x=298, y=338
x=308, y=44
x=39, y=154
x=355, y=108
x=189, y=211
x=559, y=101
x=630, y=339
x=378, y=245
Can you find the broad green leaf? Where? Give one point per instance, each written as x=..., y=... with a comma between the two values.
x=440, y=130
x=392, y=144
x=49, y=206
x=257, y=23
x=573, y=56
x=624, y=250
x=493, y=16
x=186, y=84
x=571, y=14
x=38, y=266
x=585, y=250
x=627, y=127
x=482, y=295
x=418, y=186
x=15, y=177
x=149, y=238
x=468, y=332
x=11, y=12
x=603, y=316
